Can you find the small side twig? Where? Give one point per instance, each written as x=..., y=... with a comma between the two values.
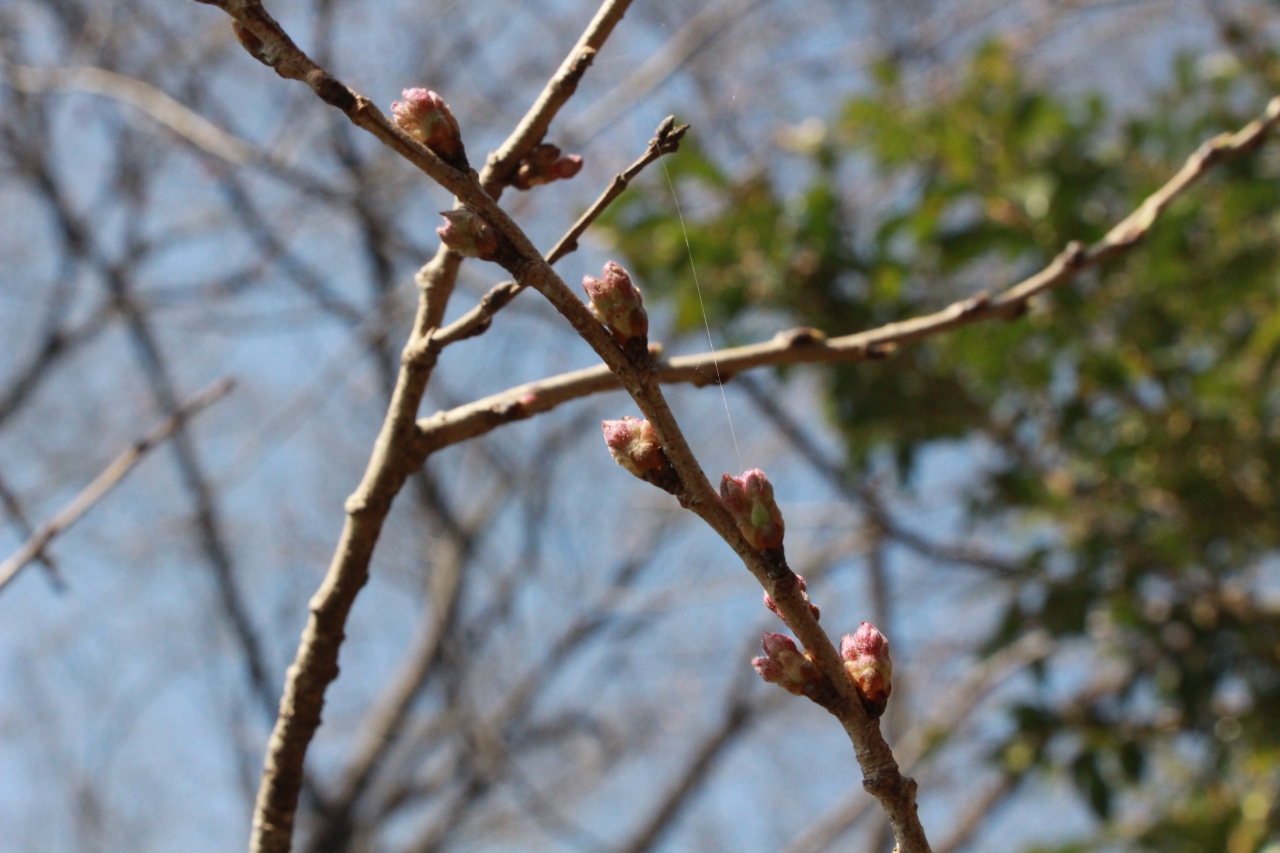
x=13, y=508
x=106, y=481
x=397, y=452
x=812, y=346
x=666, y=140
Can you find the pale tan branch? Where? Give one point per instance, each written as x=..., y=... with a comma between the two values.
x=976, y=815
x=398, y=450
x=143, y=97
x=804, y=345
x=916, y=744
x=502, y=164
x=106, y=481
x=666, y=140
x=684, y=44
x=438, y=277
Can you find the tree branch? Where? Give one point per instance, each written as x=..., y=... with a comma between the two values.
x=666, y=140
x=106, y=481
x=811, y=346
x=398, y=450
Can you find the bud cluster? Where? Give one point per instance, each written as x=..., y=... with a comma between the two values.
x=813, y=608
x=866, y=659
x=544, y=165
x=749, y=499
x=785, y=665
x=426, y=117
x=617, y=304
x=468, y=234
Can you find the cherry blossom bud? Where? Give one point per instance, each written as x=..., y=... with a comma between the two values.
x=813, y=608
x=467, y=234
x=866, y=659
x=617, y=303
x=544, y=165
x=634, y=445
x=426, y=117
x=785, y=665
x=749, y=499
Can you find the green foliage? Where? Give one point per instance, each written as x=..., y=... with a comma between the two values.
x=1136, y=410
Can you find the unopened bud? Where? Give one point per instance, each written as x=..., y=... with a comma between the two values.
x=866, y=659
x=544, y=165
x=785, y=665
x=749, y=499
x=773, y=607
x=617, y=303
x=634, y=445
x=467, y=234
x=426, y=117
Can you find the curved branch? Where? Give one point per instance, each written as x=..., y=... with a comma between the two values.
x=110, y=477
x=398, y=450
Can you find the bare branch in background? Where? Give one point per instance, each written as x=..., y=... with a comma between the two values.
x=143, y=97
x=396, y=454
x=107, y=480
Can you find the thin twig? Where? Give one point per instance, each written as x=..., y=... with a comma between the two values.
x=666, y=140
x=397, y=452
x=13, y=507
x=143, y=97
x=807, y=345
x=107, y=480
x=438, y=276
x=916, y=745
x=691, y=39
x=317, y=661
x=976, y=815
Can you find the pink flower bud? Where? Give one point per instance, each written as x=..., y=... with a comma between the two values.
x=617, y=303
x=544, y=165
x=866, y=659
x=467, y=234
x=749, y=499
x=785, y=665
x=426, y=117
x=634, y=445
x=813, y=608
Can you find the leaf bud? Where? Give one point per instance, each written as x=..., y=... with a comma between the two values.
x=468, y=234
x=749, y=499
x=866, y=659
x=617, y=303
